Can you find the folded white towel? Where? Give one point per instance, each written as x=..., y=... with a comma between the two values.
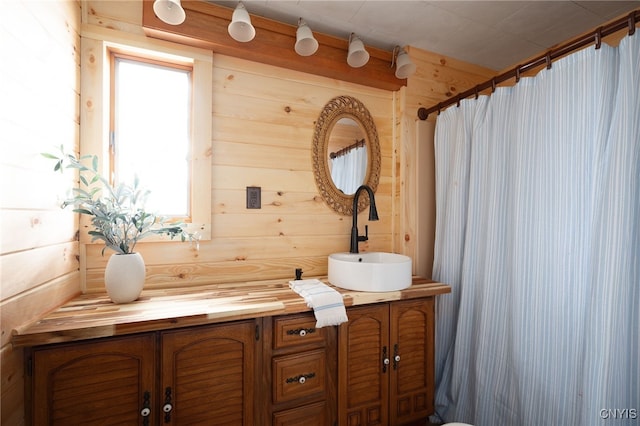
x=327, y=304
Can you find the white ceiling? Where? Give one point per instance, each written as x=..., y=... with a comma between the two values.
x=493, y=34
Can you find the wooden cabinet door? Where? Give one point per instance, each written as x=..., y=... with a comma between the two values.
x=412, y=360
x=208, y=375
x=101, y=382
x=363, y=377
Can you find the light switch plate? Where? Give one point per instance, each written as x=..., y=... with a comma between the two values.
x=253, y=197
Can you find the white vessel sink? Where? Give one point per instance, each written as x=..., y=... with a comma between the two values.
x=375, y=271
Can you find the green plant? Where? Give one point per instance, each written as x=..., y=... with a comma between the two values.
x=117, y=214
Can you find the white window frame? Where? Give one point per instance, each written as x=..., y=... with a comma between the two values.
x=97, y=43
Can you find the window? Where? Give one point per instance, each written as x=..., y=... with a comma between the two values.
x=151, y=130
x=146, y=111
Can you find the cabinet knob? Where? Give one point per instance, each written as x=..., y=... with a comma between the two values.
x=302, y=378
x=385, y=359
x=167, y=407
x=396, y=357
x=146, y=408
x=301, y=331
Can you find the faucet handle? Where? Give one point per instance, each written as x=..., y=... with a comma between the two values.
x=364, y=237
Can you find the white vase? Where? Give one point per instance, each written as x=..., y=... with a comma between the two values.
x=124, y=277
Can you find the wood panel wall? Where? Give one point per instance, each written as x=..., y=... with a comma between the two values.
x=262, y=126
x=263, y=119
x=40, y=76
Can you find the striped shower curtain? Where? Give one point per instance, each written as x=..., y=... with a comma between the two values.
x=538, y=233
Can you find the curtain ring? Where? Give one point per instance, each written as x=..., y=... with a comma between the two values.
x=458, y=102
x=518, y=74
x=598, y=38
x=476, y=92
x=548, y=60
x=439, y=106
x=632, y=23
x=493, y=85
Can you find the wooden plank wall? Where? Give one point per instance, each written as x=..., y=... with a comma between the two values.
x=40, y=76
x=262, y=124
x=263, y=121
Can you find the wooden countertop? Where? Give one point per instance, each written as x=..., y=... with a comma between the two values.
x=94, y=315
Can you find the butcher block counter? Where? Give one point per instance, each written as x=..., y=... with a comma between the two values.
x=92, y=316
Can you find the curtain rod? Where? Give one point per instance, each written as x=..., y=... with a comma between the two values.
x=358, y=144
x=553, y=54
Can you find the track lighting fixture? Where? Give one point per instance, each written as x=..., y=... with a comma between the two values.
x=404, y=66
x=306, y=44
x=240, y=28
x=169, y=11
x=358, y=55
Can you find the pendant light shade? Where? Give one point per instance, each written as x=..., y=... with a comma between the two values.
x=240, y=28
x=306, y=44
x=404, y=66
x=358, y=55
x=169, y=11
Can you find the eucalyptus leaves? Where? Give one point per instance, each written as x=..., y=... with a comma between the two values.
x=118, y=215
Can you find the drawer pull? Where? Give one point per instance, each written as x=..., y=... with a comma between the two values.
x=301, y=331
x=302, y=378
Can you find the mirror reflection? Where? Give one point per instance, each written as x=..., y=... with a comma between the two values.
x=347, y=155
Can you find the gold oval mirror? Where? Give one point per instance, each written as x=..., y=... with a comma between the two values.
x=346, y=153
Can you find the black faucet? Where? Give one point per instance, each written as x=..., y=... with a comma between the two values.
x=373, y=215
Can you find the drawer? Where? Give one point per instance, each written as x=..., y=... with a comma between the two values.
x=306, y=415
x=293, y=330
x=299, y=375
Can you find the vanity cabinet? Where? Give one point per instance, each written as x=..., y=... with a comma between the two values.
x=386, y=367
x=263, y=362
x=198, y=375
x=299, y=372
